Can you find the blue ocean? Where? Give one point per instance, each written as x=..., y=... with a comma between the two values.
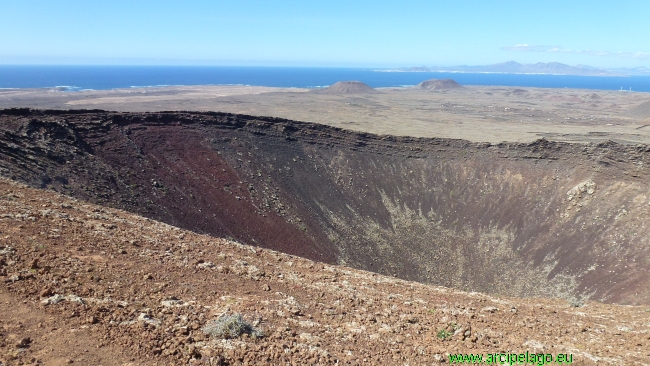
x=73, y=78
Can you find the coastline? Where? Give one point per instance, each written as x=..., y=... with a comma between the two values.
x=73, y=78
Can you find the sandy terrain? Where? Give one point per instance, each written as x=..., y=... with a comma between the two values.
x=491, y=114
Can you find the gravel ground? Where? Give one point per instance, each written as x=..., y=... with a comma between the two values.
x=83, y=284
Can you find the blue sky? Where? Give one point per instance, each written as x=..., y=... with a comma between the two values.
x=324, y=33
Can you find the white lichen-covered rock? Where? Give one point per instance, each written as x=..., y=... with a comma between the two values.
x=588, y=187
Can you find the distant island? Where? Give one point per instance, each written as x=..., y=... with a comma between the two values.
x=512, y=67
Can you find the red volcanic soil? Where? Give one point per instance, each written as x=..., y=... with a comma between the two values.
x=84, y=284
x=544, y=219
x=439, y=84
x=170, y=173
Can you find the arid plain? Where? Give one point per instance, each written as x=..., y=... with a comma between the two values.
x=475, y=113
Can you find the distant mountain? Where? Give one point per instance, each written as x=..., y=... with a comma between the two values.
x=642, y=70
x=544, y=68
x=512, y=67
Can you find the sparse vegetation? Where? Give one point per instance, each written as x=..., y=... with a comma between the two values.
x=231, y=326
x=576, y=302
x=443, y=334
x=448, y=331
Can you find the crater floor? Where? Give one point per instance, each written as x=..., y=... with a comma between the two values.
x=540, y=219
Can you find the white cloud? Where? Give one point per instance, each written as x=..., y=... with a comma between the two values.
x=558, y=49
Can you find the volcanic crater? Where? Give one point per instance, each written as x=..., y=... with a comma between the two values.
x=540, y=219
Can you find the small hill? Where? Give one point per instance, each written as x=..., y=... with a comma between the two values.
x=439, y=84
x=347, y=87
x=641, y=111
